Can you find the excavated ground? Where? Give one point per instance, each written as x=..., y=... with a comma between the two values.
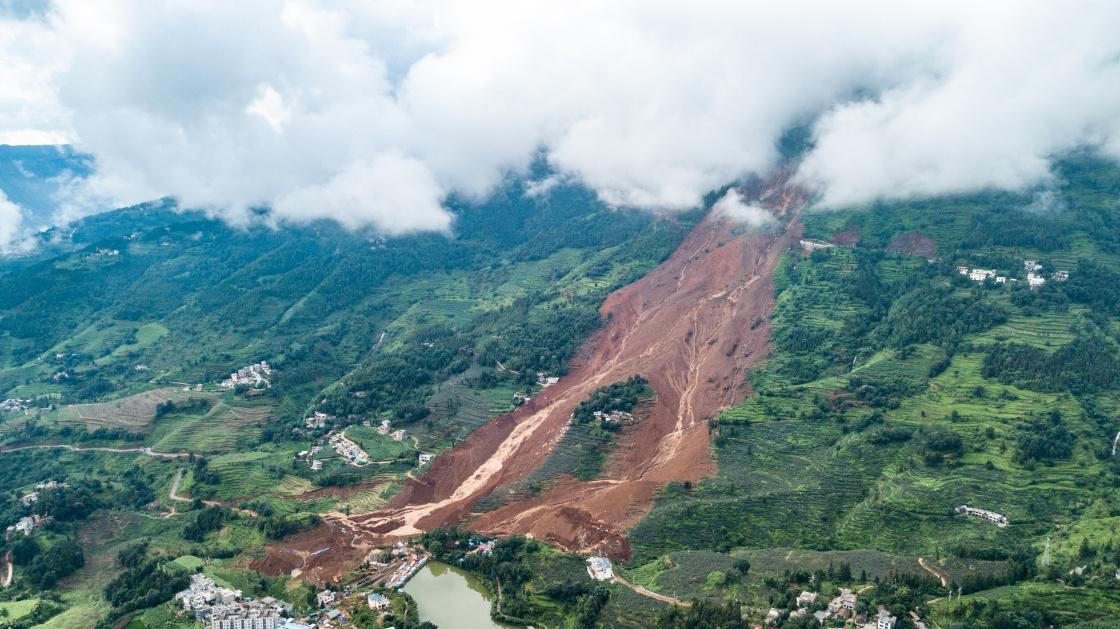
x=691, y=327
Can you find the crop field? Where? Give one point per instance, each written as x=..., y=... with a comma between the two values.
x=367, y=499
x=379, y=447
x=247, y=474
x=133, y=413
x=457, y=410
x=14, y=610
x=216, y=431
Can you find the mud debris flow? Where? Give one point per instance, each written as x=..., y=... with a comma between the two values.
x=691, y=327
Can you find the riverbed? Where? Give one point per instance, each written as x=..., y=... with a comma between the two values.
x=451, y=598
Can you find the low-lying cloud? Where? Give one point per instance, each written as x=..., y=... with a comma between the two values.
x=732, y=206
x=373, y=113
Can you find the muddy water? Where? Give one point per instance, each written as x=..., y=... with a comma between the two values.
x=451, y=598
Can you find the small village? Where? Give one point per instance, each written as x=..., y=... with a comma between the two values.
x=841, y=610
x=224, y=608
x=255, y=376
x=1032, y=268
x=28, y=524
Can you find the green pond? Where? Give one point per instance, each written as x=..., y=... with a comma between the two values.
x=451, y=598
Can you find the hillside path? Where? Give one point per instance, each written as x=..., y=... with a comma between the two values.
x=139, y=450
x=651, y=594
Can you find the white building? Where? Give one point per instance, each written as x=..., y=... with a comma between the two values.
x=885, y=620
x=325, y=598
x=600, y=568
x=377, y=602
x=991, y=516
x=426, y=458
x=1034, y=281
x=806, y=598
x=1031, y=266
x=244, y=622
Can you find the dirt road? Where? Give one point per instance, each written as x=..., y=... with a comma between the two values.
x=138, y=450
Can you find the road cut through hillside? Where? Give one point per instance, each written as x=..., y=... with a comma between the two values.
x=691, y=327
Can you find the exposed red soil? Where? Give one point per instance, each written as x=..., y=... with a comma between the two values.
x=847, y=238
x=913, y=243
x=691, y=327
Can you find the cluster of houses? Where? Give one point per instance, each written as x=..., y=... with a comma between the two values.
x=613, y=416
x=386, y=428
x=254, y=376
x=223, y=608
x=545, y=380
x=600, y=569
x=309, y=456
x=1032, y=267
x=14, y=405
x=991, y=516
x=108, y=253
x=412, y=563
x=347, y=449
x=28, y=524
x=318, y=419
x=842, y=606
x=31, y=498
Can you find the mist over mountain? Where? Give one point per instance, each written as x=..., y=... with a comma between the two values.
x=374, y=114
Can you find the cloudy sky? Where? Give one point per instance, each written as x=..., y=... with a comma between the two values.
x=372, y=112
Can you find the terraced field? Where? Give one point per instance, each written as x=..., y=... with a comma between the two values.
x=133, y=413
x=215, y=432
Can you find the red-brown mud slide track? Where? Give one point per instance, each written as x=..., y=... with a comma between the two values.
x=691, y=327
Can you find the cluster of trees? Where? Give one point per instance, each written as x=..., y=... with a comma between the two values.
x=1044, y=439
x=61, y=559
x=588, y=600
x=279, y=526
x=205, y=521
x=144, y=581
x=704, y=614
x=1086, y=364
x=620, y=396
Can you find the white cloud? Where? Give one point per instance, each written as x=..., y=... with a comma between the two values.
x=11, y=218
x=300, y=104
x=732, y=206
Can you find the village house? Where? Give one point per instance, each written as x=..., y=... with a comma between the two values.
x=806, y=598
x=318, y=420
x=1059, y=276
x=1031, y=266
x=772, y=615
x=884, y=620
x=425, y=458
x=398, y=435
x=991, y=516
x=377, y=602
x=325, y=598
x=316, y=465
x=844, y=603
x=810, y=245
x=385, y=427
x=1035, y=281
x=27, y=525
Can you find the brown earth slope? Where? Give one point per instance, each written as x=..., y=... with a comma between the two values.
x=691, y=327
